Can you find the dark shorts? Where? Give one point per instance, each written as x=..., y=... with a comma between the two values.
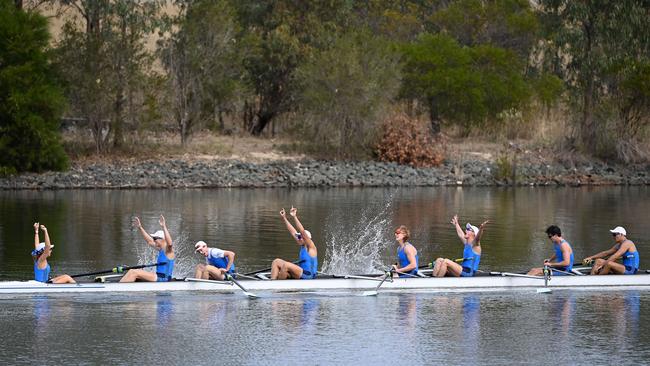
x=163, y=278
x=630, y=270
x=467, y=272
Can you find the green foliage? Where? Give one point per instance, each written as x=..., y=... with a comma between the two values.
x=463, y=85
x=600, y=49
x=344, y=91
x=30, y=99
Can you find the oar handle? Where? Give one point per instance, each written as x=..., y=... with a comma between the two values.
x=268, y=269
x=119, y=269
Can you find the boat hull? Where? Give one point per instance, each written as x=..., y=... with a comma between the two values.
x=447, y=284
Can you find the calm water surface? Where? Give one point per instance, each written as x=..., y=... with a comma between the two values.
x=353, y=230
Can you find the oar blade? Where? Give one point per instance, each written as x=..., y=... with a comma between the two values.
x=251, y=295
x=544, y=290
x=369, y=293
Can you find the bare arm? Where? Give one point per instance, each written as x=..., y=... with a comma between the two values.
x=619, y=253
x=145, y=234
x=48, y=245
x=37, y=240
x=168, y=237
x=602, y=254
x=566, y=254
x=231, y=258
x=311, y=247
x=290, y=227
x=459, y=230
x=479, y=235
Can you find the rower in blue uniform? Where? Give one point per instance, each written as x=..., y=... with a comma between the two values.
x=162, y=241
x=40, y=254
x=471, y=239
x=623, y=248
x=406, y=254
x=307, y=267
x=561, y=263
x=219, y=263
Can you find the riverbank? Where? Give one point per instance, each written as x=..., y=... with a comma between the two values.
x=213, y=161
x=176, y=173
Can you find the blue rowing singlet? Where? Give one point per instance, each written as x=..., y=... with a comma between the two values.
x=630, y=261
x=221, y=263
x=560, y=258
x=404, y=260
x=41, y=275
x=470, y=261
x=308, y=264
x=164, y=271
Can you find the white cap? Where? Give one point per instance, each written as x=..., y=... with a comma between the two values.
x=199, y=244
x=618, y=230
x=158, y=234
x=469, y=226
x=40, y=248
x=306, y=233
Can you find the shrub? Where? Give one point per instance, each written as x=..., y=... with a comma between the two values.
x=409, y=141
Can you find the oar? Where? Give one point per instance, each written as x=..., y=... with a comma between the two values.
x=458, y=260
x=268, y=269
x=374, y=292
x=560, y=271
x=509, y=274
x=351, y=276
x=249, y=294
x=119, y=269
x=249, y=277
x=228, y=281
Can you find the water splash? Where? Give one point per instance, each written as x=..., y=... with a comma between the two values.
x=358, y=247
x=184, y=263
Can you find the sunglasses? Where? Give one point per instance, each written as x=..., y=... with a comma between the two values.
x=616, y=234
x=156, y=238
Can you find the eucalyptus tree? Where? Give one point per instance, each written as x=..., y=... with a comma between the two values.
x=103, y=58
x=203, y=62
x=601, y=49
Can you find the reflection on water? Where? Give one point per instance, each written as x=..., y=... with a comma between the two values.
x=493, y=328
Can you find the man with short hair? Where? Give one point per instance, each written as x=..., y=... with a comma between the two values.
x=219, y=263
x=623, y=248
x=561, y=263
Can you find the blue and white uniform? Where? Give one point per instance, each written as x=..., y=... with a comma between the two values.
x=308, y=264
x=630, y=261
x=217, y=257
x=560, y=258
x=470, y=261
x=41, y=275
x=404, y=261
x=165, y=271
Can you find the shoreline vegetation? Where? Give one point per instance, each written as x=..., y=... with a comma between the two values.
x=249, y=93
x=214, y=161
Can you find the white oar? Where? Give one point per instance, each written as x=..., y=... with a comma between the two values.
x=544, y=289
x=230, y=282
x=374, y=292
x=352, y=276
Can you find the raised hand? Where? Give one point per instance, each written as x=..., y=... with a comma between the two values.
x=483, y=224
x=136, y=222
x=283, y=213
x=293, y=212
x=161, y=220
x=454, y=220
x=43, y=228
x=36, y=227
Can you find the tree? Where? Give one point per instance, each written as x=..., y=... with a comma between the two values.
x=30, y=98
x=600, y=48
x=344, y=90
x=203, y=63
x=462, y=84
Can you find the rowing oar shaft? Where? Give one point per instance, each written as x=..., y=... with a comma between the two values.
x=119, y=269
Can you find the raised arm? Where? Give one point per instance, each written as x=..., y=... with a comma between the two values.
x=145, y=234
x=479, y=235
x=37, y=240
x=231, y=258
x=290, y=227
x=168, y=237
x=48, y=245
x=459, y=230
x=310, y=244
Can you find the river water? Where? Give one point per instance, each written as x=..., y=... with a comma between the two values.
x=91, y=230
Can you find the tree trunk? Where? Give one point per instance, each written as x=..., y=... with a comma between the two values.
x=435, y=119
x=19, y=4
x=263, y=119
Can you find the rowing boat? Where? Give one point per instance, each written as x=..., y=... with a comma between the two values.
x=498, y=281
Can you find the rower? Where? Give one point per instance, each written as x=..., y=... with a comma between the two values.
x=307, y=267
x=162, y=241
x=471, y=239
x=406, y=253
x=219, y=263
x=562, y=260
x=40, y=254
x=623, y=248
